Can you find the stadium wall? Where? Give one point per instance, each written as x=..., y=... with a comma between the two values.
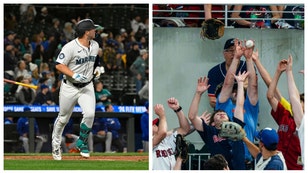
x=180, y=56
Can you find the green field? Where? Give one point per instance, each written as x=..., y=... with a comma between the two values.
x=98, y=161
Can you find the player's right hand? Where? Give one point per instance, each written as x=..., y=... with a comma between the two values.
x=79, y=77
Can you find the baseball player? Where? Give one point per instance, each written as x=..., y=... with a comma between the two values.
x=77, y=61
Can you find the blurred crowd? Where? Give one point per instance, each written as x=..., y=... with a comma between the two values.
x=35, y=33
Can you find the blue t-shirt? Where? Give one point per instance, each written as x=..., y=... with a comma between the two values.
x=99, y=125
x=251, y=113
x=113, y=125
x=23, y=126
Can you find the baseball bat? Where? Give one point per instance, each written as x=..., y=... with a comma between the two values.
x=20, y=83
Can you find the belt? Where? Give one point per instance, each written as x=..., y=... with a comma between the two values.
x=78, y=85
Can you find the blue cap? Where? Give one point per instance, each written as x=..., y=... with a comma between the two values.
x=229, y=43
x=27, y=109
x=45, y=72
x=98, y=109
x=269, y=138
x=43, y=86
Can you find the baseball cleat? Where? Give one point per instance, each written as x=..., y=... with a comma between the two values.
x=83, y=148
x=86, y=155
x=56, y=154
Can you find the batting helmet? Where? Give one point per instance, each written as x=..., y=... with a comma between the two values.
x=83, y=26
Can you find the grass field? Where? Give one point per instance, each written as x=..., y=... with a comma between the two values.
x=97, y=161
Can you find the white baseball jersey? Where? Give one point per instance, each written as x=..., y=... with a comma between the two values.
x=79, y=58
x=163, y=153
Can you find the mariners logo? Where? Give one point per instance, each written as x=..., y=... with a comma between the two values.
x=61, y=56
x=84, y=60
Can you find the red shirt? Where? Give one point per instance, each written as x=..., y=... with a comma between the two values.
x=288, y=140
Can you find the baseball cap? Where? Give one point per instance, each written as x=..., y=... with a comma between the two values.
x=104, y=35
x=122, y=30
x=67, y=24
x=119, y=51
x=45, y=72
x=44, y=9
x=155, y=122
x=135, y=43
x=10, y=33
x=32, y=66
x=269, y=138
x=229, y=43
x=143, y=51
x=27, y=109
x=98, y=109
x=43, y=86
x=86, y=25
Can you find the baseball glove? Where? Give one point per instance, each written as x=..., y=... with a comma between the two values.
x=232, y=131
x=212, y=29
x=181, y=149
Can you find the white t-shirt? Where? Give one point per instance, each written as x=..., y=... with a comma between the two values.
x=163, y=153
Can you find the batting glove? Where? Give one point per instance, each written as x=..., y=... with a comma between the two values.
x=79, y=77
x=98, y=71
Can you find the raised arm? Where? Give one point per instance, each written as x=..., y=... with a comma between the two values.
x=294, y=94
x=264, y=73
x=252, y=148
x=207, y=11
x=252, y=89
x=162, y=127
x=276, y=12
x=202, y=86
x=183, y=121
x=273, y=101
x=227, y=88
x=239, y=108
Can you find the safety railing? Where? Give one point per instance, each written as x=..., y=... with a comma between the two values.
x=297, y=13
x=198, y=155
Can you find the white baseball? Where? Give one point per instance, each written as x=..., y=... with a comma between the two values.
x=249, y=43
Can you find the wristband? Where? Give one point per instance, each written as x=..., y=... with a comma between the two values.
x=178, y=110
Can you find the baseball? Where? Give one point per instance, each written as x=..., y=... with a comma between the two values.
x=249, y=43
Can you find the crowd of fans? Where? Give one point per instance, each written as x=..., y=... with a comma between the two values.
x=233, y=15
x=34, y=34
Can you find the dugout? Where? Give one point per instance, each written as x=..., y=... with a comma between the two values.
x=130, y=127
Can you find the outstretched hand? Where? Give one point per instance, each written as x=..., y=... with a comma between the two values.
x=255, y=55
x=206, y=117
x=241, y=76
x=290, y=63
x=239, y=49
x=202, y=85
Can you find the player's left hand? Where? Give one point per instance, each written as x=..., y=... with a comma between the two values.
x=98, y=71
